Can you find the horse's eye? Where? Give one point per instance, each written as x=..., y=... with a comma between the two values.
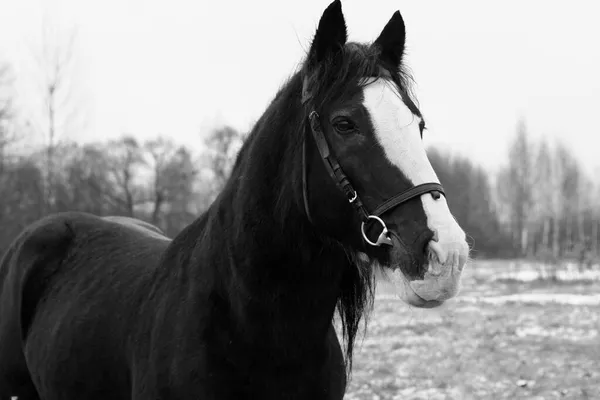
x=344, y=126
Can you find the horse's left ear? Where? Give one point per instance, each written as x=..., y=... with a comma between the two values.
x=331, y=34
x=392, y=39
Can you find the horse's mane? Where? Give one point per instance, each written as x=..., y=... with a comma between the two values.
x=331, y=79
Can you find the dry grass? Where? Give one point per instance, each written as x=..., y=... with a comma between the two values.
x=513, y=348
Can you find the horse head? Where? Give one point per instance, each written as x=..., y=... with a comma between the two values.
x=367, y=180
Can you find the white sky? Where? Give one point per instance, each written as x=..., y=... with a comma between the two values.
x=181, y=67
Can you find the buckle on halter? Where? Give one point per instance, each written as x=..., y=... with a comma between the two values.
x=352, y=198
x=383, y=236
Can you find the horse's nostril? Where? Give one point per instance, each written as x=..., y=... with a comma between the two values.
x=436, y=194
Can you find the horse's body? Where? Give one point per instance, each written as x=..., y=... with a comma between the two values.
x=124, y=344
x=240, y=304
x=63, y=270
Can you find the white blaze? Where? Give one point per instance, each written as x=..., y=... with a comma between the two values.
x=397, y=130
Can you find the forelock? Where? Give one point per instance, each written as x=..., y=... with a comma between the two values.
x=344, y=74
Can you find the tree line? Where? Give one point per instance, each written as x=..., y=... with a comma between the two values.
x=541, y=204
x=549, y=204
x=155, y=180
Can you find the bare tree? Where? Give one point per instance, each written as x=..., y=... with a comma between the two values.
x=55, y=64
x=173, y=175
x=126, y=157
x=571, y=178
x=7, y=133
x=544, y=197
x=83, y=180
x=222, y=145
x=515, y=188
x=161, y=152
x=6, y=137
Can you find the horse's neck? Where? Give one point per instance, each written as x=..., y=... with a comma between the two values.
x=281, y=279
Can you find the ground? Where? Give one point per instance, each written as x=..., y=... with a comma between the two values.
x=502, y=338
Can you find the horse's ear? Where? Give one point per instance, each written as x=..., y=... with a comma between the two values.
x=331, y=34
x=392, y=39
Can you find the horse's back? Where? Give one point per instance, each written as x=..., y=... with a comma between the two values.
x=64, y=283
x=139, y=225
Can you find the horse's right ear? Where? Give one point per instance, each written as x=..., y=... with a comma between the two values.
x=331, y=34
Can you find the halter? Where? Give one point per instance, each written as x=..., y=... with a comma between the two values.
x=334, y=169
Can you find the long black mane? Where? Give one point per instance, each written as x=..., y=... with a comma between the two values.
x=287, y=115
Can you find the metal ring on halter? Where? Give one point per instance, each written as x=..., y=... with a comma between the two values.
x=383, y=236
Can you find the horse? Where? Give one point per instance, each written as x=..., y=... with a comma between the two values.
x=138, y=224
x=331, y=185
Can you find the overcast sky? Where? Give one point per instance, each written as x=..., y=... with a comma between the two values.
x=181, y=67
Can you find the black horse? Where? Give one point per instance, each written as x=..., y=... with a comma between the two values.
x=332, y=182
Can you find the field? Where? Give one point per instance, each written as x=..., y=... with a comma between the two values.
x=506, y=338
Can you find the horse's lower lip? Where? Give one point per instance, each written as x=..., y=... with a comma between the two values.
x=417, y=301
x=407, y=293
